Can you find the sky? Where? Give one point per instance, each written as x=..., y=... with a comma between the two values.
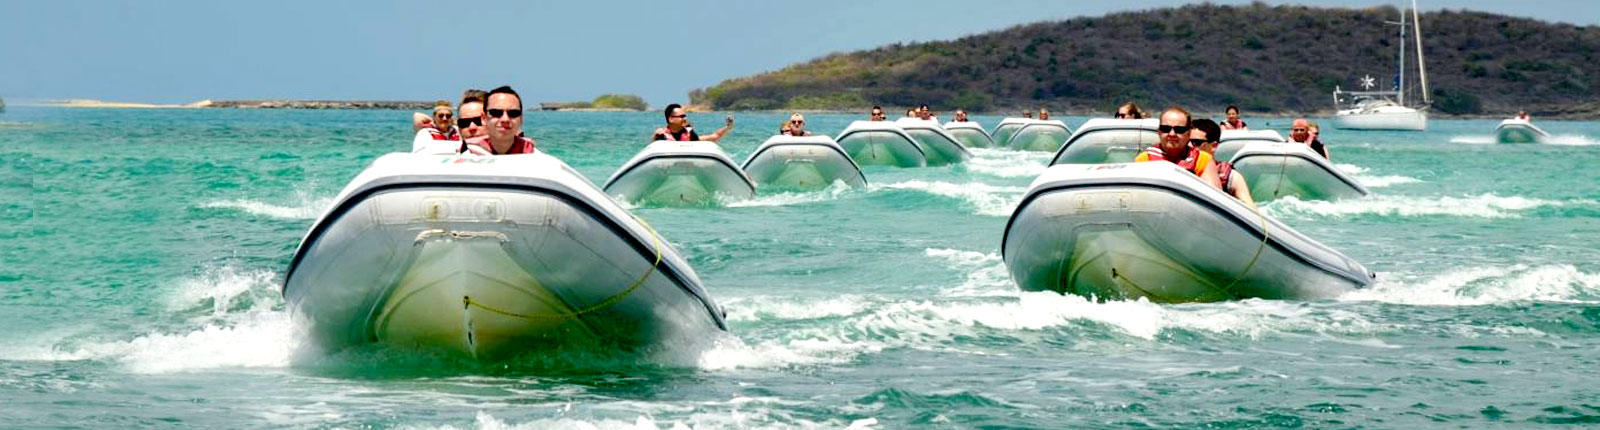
x=186, y=50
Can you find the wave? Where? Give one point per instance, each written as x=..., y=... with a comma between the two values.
x=1487, y=286
x=1374, y=181
x=741, y=413
x=987, y=276
x=1481, y=206
x=1007, y=164
x=1560, y=140
x=793, y=198
x=304, y=206
x=989, y=200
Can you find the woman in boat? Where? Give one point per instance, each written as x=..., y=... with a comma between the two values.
x=1233, y=122
x=1129, y=111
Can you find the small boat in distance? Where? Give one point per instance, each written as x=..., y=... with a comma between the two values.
x=938, y=145
x=1040, y=135
x=1107, y=140
x=1519, y=131
x=1276, y=170
x=673, y=173
x=1232, y=140
x=802, y=163
x=1387, y=110
x=881, y=143
x=970, y=133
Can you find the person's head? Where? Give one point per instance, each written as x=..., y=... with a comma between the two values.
x=677, y=119
x=1314, y=128
x=1044, y=113
x=1300, y=130
x=442, y=116
x=469, y=117
x=924, y=113
x=1232, y=112
x=1129, y=111
x=1174, y=130
x=1027, y=114
x=797, y=123
x=961, y=115
x=911, y=113
x=877, y=113
x=1203, y=134
x=783, y=128
x=503, y=114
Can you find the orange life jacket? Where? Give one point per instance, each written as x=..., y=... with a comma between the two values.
x=1195, y=162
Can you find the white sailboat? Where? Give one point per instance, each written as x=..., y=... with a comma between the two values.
x=1387, y=110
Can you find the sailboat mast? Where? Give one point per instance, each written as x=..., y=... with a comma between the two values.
x=1400, y=78
x=1422, y=71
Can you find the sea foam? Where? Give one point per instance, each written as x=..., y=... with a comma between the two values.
x=1480, y=206
x=989, y=200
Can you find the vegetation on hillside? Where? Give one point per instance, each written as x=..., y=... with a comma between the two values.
x=1260, y=57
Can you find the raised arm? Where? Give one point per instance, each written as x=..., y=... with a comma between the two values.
x=716, y=136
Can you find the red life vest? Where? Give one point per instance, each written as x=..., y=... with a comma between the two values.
x=521, y=145
x=1232, y=126
x=1195, y=162
x=1225, y=172
x=686, y=135
x=437, y=135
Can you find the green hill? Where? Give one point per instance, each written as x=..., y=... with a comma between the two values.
x=1262, y=58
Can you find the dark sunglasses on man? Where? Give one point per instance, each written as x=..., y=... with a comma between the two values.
x=466, y=122
x=1179, y=129
x=512, y=113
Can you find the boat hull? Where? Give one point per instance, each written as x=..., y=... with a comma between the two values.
x=883, y=148
x=680, y=174
x=491, y=268
x=1406, y=121
x=972, y=137
x=1514, y=131
x=1101, y=141
x=1155, y=235
x=802, y=163
x=1040, y=137
x=1275, y=170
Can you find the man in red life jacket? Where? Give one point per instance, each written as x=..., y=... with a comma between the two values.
x=439, y=124
x=678, y=128
x=503, y=118
x=1233, y=122
x=1203, y=135
x=1174, y=147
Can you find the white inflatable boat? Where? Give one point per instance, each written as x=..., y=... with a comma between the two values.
x=802, y=163
x=970, y=133
x=1519, y=131
x=490, y=257
x=1039, y=135
x=1153, y=231
x=1232, y=140
x=669, y=173
x=881, y=143
x=1103, y=140
x=1005, y=129
x=938, y=145
x=1276, y=170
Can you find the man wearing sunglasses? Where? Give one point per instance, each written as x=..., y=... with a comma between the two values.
x=960, y=116
x=1203, y=135
x=797, y=125
x=503, y=120
x=678, y=128
x=1173, y=147
x=877, y=113
x=438, y=125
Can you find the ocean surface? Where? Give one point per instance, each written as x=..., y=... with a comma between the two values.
x=142, y=251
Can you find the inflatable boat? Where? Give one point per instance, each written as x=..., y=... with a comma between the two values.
x=802, y=163
x=1519, y=131
x=971, y=134
x=938, y=145
x=1276, y=170
x=881, y=143
x=1102, y=140
x=669, y=173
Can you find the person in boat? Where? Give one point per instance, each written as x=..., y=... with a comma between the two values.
x=877, y=113
x=1044, y=114
x=1204, y=135
x=960, y=115
x=925, y=114
x=1129, y=111
x=469, y=115
x=1173, y=147
x=503, y=120
x=468, y=125
x=797, y=125
x=1233, y=122
x=1027, y=114
x=678, y=128
x=783, y=128
x=438, y=125
x=1523, y=115
x=1303, y=131
x=911, y=113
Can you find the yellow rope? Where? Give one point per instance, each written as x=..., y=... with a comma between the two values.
x=467, y=301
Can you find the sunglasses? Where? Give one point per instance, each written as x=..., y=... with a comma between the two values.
x=1198, y=142
x=468, y=122
x=681, y=116
x=496, y=113
x=1299, y=129
x=1179, y=129
x=443, y=115
x=797, y=122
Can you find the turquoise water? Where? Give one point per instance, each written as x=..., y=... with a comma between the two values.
x=144, y=251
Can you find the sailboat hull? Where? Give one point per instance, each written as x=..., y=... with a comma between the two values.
x=1408, y=121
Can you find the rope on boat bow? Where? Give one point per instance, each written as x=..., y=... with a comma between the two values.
x=468, y=302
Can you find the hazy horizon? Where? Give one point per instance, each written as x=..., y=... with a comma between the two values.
x=184, y=51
